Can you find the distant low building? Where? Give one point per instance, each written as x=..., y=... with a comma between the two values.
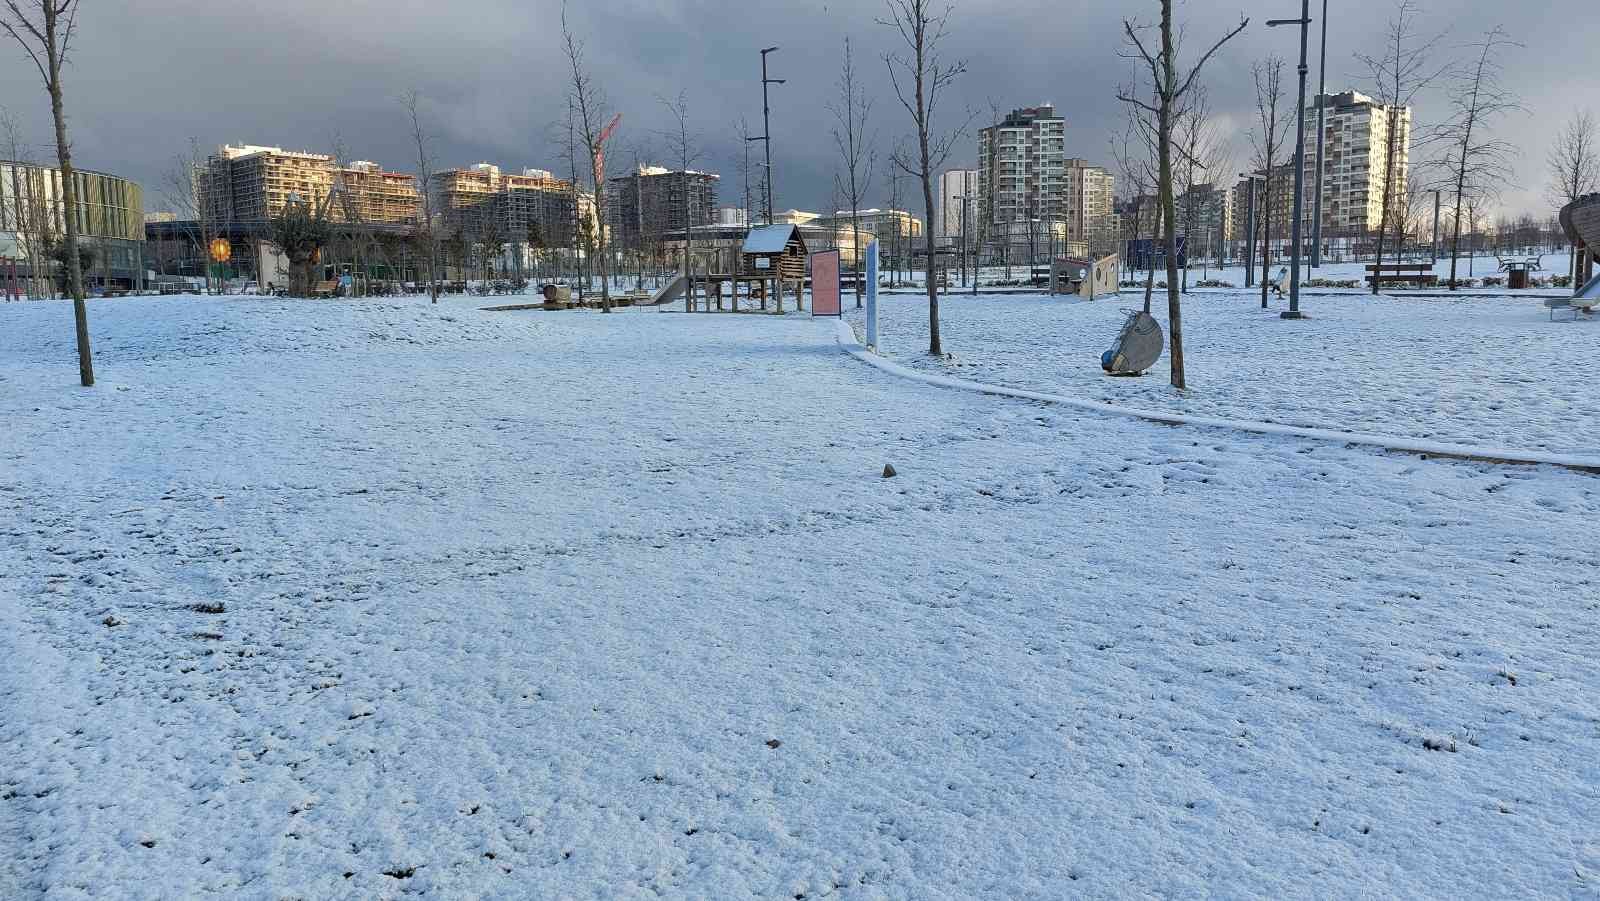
x=732, y=215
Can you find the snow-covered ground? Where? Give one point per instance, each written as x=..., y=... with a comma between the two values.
x=380, y=599
x=1485, y=371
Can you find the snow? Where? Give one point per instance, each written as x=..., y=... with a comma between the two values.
x=768, y=238
x=469, y=604
x=1490, y=372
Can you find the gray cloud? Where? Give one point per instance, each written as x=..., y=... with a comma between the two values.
x=148, y=74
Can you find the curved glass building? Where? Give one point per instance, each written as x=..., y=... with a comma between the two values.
x=110, y=217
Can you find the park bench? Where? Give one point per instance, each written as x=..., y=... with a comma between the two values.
x=1417, y=275
x=325, y=289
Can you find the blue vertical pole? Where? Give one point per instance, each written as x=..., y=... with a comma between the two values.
x=872, y=294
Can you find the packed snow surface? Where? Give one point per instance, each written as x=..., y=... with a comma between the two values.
x=384, y=599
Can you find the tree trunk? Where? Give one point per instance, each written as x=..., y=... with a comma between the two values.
x=1388, y=193
x=69, y=200
x=1168, y=208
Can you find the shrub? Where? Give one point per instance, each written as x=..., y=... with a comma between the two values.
x=1493, y=281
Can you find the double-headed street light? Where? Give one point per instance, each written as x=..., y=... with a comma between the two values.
x=1322, y=125
x=766, y=123
x=1299, y=159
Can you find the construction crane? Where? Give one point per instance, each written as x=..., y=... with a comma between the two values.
x=600, y=151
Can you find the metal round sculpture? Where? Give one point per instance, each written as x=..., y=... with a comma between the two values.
x=221, y=250
x=1138, y=345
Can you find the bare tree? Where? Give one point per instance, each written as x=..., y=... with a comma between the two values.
x=1198, y=153
x=852, y=114
x=989, y=176
x=427, y=226
x=591, y=109
x=1475, y=164
x=578, y=234
x=1268, y=143
x=685, y=148
x=1134, y=151
x=1574, y=168
x=1172, y=86
x=1399, y=72
x=896, y=240
x=45, y=28
x=23, y=204
x=920, y=81
x=190, y=189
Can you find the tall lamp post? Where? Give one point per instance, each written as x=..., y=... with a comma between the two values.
x=1033, y=248
x=966, y=250
x=1299, y=160
x=1322, y=126
x=766, y=124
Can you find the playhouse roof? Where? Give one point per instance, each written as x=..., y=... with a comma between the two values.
x=769, y=238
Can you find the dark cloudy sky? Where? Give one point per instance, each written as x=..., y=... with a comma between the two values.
x=149, y=74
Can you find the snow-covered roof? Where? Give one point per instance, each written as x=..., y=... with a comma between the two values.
x=768, y=238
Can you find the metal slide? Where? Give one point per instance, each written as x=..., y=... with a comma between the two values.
x=669, y=292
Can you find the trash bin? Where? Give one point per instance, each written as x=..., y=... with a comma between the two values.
x=1517, y=279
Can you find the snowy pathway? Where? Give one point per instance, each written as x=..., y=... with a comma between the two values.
x=375, y=600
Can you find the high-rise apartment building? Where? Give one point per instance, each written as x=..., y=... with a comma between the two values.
x=954, y=186
x=1022, y=183
x=1356, y=137
x=1091, y=198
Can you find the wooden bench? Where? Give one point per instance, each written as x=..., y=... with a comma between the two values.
x=1417, y=275
x=325, y=289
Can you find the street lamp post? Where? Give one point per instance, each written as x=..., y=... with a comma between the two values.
x=1299, y=160
x=975, y=256
x=1033, y=248
x=766, y=124
x=1322, y=122
x=1250, y=230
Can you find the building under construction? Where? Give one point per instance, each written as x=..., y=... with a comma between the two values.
x=482, y=199
x=251, y=185
x=645, y=205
